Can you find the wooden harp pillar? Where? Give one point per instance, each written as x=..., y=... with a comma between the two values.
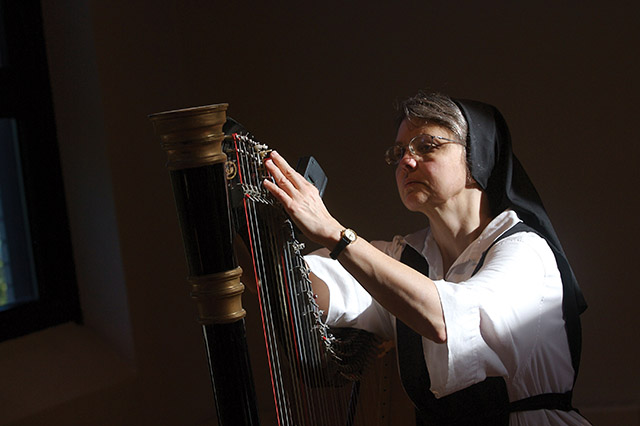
x=192, y=139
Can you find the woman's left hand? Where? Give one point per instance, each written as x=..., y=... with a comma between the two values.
x=302, y=202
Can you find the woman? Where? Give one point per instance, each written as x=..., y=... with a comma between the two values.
x=476, y=304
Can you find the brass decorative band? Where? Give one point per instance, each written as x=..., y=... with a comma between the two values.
x=218, y=297
x=192, y=137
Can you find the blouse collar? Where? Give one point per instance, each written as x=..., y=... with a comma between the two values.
x=424, y=243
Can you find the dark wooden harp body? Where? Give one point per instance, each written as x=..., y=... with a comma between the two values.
x=314, y=374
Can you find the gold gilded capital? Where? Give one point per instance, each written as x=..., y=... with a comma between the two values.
x=192, y=137
x=218, y=297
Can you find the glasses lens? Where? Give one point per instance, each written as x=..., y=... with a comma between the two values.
x=393, y=154
x=422, y=145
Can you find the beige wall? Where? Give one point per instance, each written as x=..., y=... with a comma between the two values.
x=316, y=80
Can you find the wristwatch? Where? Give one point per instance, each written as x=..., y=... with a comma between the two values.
x=347, y=236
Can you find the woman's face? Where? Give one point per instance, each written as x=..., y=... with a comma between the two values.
x=432, y=181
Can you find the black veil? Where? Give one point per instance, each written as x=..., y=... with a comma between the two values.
x=499, y=173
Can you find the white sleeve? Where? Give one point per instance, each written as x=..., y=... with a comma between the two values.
x=496, y=318
x=350, y=304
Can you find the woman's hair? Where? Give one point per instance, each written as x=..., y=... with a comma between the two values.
x=434, y=108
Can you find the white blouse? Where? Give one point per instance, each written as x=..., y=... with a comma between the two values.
x=506, y=320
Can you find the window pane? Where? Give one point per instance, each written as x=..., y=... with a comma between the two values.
x=2, y=39
x=5, y=274
x=37, y=277
x=17, y=283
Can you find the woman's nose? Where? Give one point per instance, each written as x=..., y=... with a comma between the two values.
x=408, y=160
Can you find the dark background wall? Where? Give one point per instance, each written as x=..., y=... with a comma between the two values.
x=317, y=79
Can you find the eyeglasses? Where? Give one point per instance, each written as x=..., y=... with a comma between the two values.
x=419, y=146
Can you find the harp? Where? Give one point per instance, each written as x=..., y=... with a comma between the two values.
x=216, y=170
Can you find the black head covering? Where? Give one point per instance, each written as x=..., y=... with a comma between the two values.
x=499, y=173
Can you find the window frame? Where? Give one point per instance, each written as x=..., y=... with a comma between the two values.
x=25, y=96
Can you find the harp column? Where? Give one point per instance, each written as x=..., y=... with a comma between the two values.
x=192, y=139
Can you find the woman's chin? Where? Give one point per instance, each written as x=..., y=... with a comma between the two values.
x=415, y=202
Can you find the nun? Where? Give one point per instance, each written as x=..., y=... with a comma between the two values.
x=482, y=303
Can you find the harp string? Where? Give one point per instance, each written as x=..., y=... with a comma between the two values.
x=274, y=307
x=305, y=323
x=302, y=361
x=297, y=342
x=258, y=257
x=285, y=311
x=262, y=252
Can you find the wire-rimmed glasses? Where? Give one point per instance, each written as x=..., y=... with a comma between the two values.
x=419, y=146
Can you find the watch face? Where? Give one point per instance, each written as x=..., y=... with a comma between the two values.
x=350, y=234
